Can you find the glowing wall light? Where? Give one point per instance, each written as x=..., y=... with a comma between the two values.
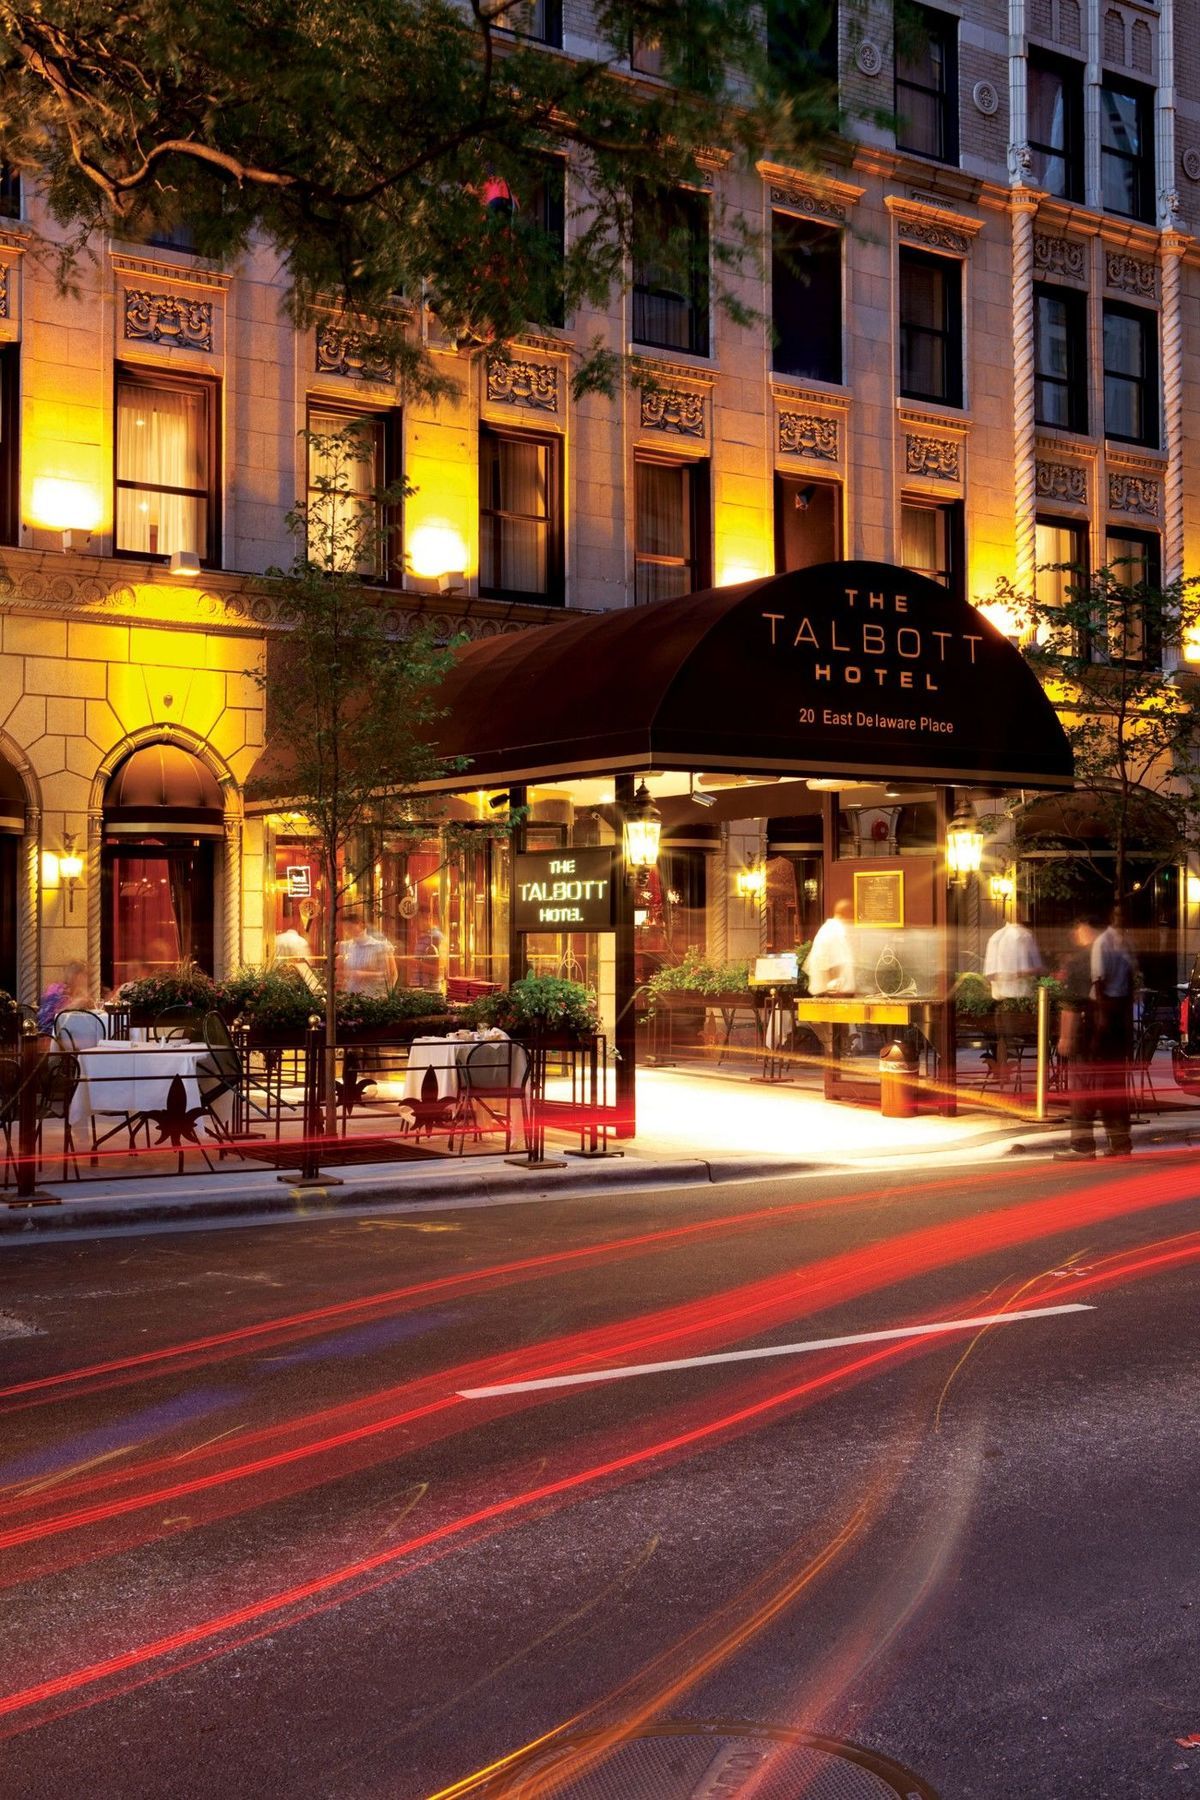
x=57, y=503
x=751, y=883
x=437, y=552
x=964, y=843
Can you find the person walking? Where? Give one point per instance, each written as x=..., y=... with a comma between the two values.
x=1012, y=961
x=830, y=972
x=1095, y=1038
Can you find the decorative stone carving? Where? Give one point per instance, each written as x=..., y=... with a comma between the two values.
x=1062, y=481
x=5, y=300
x=868, y=58
x=808, y=434
x=805, y=201
x=1134, y=494
x=987, y=100
x=1190, y=163
x=1059, y=256
x=935, y=235
x=341, y=350
x=673, y=409
x=529, y=384
x=934, y=456
x=1131, y=275
x=185, y=324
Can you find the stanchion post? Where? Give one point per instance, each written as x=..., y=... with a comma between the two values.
x=1043, y=1049
x=27, y=1112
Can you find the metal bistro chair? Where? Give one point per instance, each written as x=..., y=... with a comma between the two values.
x=1141, y=1077
x=177, y=1024
x=492, y=1076
x=222, y=1072
x=79, y=1028
x=10, y=1101
x=57, y=1079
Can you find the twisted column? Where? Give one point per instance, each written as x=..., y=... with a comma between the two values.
x=1024, y=206
x=232, y=948
x=1173, y=244
x=95, y=844
x=29, y=911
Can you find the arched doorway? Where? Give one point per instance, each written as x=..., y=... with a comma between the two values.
x=164, y=816
x=12, y=830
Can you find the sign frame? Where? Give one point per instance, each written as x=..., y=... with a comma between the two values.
x=882, y=902
x=564, y=889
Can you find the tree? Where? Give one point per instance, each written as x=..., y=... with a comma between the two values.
x=353, y=704
x=391, y=150
x=1098, y=645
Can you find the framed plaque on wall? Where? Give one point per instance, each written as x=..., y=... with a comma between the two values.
x=879, y=897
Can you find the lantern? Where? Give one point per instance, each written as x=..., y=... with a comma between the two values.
x=643, y=830
x=964, y=842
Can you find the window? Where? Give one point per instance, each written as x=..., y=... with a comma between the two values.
x=671, y=551
x=804, y=49
x=806, y=298
x=354, y=531
x=931, y=541
x=646, y=56
x=537, y=19
x=930, y=328
x=1133, y=635
x=520, y=516
x=10, y=192
x=927, y=85
x=1059, y=541
x=1060, y=358
x=546, y=210
x=808, y=527
x=10, y=440
x=1126, y=150
x=165, y=466
x=670, y=281
x=1056, y=125
x=1130, y=374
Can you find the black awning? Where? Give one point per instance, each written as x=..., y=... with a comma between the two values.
x=163, y=788
x=858, y=669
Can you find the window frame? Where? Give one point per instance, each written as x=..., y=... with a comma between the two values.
x=699, y=504
x=10, y=444
x=149, y=375
x=1143, y=162
x=1148, y=380
x=552, y=15
x=1071, y=74
x=827, y=243
x=942, y=28
x=555, y=593
x=783, y=481
x=389, y=454
x=954, y=513
x=697, y=299
x=1075, y=382
x=950, y=332
x=1150, y=656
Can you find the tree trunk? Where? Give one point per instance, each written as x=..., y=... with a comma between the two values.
x=332, y=910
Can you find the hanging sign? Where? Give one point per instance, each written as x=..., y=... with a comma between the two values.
x=299, y=881
x=563, y=890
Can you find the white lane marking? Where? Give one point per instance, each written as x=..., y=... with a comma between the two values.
x=731, y=1356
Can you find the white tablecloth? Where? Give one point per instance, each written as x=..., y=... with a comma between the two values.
x=443, y=1055
x=117, y=1077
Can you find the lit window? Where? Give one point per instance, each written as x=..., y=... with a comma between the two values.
x=165, y=465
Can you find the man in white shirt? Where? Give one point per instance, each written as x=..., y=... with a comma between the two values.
x=1012, y=961
x=830, y=965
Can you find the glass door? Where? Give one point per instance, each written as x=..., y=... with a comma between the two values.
x=156, y=908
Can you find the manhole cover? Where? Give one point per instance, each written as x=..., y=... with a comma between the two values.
x=689, y=1760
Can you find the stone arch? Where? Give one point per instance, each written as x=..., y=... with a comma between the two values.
x=228, y=875
x=29, y=883
x=1141, y=47
x=1068, y=33
x=1114, y=37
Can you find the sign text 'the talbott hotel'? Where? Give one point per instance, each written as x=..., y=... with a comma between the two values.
x=563, y=890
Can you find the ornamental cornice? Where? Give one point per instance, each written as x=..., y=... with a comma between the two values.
x=1153, y=461
x=1061, y=481
x=517, y=381
x=805, y=190
x=669, y=371
x=936, y=457
x=153, y=268
x=1062, y=257
x=799, y=395
x=929, y=223
x=1130, y=274
x=953, y=424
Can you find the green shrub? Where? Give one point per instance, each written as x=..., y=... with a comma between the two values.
x=694, y=974
x=541, y=1005
x=390, y=1008
x=184, y=985
x=274, y=998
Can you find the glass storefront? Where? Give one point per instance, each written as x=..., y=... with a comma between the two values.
x=156, y=908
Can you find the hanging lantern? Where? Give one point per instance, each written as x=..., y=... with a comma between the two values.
x=643, y=830
x=752, y=883
x=964, y=842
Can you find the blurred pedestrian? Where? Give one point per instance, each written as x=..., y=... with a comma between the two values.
x=830, y=971
x=1012, y=961
x=1096, y=1037
x=70, y=993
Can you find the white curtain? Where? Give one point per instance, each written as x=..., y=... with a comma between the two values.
x=514, y=525
x=339, y=524
x=663, y=531
x=162, y=441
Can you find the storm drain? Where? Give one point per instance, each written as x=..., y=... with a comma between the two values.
x=690, y=1760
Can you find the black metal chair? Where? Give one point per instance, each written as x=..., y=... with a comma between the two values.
x=10, y=1100
x=78, y=1028
x=177, y=1024
x=57, y=1080
x=1141, y=1075
x=493, y=1077
x=116, y=1014
x=221, y=1073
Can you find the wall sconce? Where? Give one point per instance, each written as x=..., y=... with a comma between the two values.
x=183, y=562
x=437, y=553
x=642, y=831
x=964, y=843
x=1002, y=887
x=70, y=868
x=69, y=507
x=751, y=883
x=1193, y=888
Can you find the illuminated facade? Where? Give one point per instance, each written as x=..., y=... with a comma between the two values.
x=984, y=367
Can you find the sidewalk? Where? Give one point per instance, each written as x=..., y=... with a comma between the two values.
x=697, y=1127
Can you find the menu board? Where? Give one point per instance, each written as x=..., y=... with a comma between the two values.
x=879, y=897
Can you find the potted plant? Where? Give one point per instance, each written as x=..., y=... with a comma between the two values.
x=397, y=1015
x=544, y=1007
x=183, y=985
x=274, y=1002
x=685, y=990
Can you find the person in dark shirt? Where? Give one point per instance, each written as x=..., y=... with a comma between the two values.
x=1095, y=1039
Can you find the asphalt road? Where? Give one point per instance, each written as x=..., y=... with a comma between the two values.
x=254, y=1540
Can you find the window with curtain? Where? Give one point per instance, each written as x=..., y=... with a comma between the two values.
x=343, y=524
x=931, y=541
x=1130, y=374
x=164, y=500
x=927, y=85
x=1132, y=636
x=1059, y=541
x=671, y=542
x=1055, y=125
x=10, y=445
x=670, y=275
x=806, y=298
x=931, y=352
x=520, y=517
x=537, y=19
x=1060, y=358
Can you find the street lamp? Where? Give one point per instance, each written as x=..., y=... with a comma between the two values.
x=964, y=843
x=643, y=830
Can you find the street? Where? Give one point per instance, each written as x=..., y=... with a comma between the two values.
x=324, y=1509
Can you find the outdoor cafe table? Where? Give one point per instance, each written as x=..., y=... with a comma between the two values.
x=118, y=1078
x=442, y=1057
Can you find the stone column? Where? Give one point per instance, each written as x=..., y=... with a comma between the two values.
x=1024, y=207
x=95, y=844
x=1174, y=244
x=230, y=955
x=29, y=911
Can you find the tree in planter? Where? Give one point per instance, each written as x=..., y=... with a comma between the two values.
x=354, y=702
x=1098, y=648
x=432, y=171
